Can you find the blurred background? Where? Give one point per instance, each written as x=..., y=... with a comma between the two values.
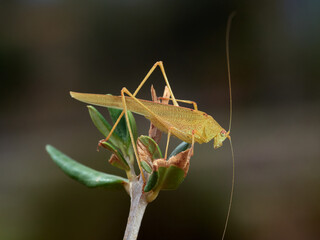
x=50, y=47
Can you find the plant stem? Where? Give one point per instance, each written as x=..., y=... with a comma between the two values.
x=137, y=208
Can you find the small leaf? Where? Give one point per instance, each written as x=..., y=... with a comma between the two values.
x=172, y=172
x=148, y=150
x=181, y=147
x=149, y=147
x=121, y=128
x=102, y=125
x=152, y=181
x=146, y=167
x=172, y=177
x=133, y=126
x=83, y=174
x=118, y=160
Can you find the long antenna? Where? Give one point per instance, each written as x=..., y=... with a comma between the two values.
x=228, y=63
x=230, y=95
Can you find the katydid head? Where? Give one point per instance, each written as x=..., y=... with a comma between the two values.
x=219, y=138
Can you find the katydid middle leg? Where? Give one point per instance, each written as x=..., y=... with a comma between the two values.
x=195, y=106
x=167, y=146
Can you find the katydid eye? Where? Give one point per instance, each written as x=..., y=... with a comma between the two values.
x=223, y=133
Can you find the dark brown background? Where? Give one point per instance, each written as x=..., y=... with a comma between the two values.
x=48, y=48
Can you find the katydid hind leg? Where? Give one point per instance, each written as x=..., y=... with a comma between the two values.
x=160, y=64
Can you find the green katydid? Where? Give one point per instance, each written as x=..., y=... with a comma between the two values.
x=189, y=125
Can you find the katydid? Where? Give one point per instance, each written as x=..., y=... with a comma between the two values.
x=188, y=124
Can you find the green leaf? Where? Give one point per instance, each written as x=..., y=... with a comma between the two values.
x=83, y=174
x=103, y=126
x=165, y=178
x=121, y=128
x=146, y=167
x=181, y=147
x=152, y=181
x=133, y=126
x=128, y=145
x=119, y=161
x=171, y=177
